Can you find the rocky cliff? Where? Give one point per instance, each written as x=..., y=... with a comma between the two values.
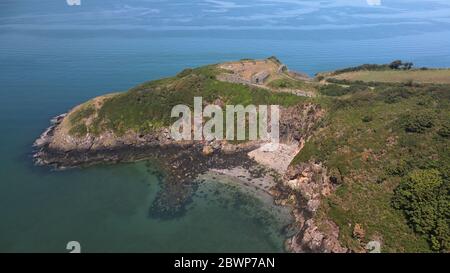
x=304, y=186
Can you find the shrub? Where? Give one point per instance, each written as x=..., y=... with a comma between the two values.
x=334, y=90
x=335, y=176
x=418, y=123
x=369, y=67
x=361, y=99
x=395, y=94
x=391, y=99
x=367, y=118
x=424, y=198
x=445, y=131
x=275, y=59
x=399, y=168
x=398, y=64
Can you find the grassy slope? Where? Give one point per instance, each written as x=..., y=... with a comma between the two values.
x=363, y=141
x=421, y=76
x=148, y=106
x=288, y=83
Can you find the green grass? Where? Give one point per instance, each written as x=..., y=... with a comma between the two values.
x=148, y=106
x=78, y=119
x=293, y=84
x=420, y=76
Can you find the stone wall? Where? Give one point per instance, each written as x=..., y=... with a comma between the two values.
x=260, y=77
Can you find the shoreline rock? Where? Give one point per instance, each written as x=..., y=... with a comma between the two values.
x=304, y=186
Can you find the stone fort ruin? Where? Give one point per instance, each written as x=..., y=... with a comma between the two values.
x=260, y=77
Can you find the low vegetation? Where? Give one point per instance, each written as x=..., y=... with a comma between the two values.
x=418, y=76
x=148, y=106
x=423, y=196
x=288, y=83
x=387, y=146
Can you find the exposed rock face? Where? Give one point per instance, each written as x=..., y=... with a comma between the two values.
x=298, y=122
x=311, y=239
x=275, y=156
x=57, y=146
x=309, y=182
x=304, y=185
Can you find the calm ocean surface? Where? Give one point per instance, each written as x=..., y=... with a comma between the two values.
x=54, y=56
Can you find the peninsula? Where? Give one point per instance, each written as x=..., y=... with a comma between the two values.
x=364, y=152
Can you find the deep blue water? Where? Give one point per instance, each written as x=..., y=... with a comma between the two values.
x=54, y=56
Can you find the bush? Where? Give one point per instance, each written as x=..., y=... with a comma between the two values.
x=334, y=90
x=391, y=99
x=445, y=131
x=398, y=64
x=369, y=67
x=275, y=59
x=418, y=123
x=367, y=118
x=395, y=94
x=398, y=168
x=335, y=176
x=424, y=198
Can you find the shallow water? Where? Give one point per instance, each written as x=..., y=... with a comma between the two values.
x=53, y=57
x=106, y=209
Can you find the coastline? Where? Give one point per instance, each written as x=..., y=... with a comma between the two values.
x=252, y=165
x=289, y=191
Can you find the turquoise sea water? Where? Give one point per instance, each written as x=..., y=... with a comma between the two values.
x=53, y=56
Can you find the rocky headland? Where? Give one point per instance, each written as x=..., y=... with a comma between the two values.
x=299, y=187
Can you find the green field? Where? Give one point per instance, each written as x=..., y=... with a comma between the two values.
x=419, y=76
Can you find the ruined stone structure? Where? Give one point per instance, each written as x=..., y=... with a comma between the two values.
x=233, y=78
x=260, y=77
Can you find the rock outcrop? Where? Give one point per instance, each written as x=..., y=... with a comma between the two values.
x=303, y=187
